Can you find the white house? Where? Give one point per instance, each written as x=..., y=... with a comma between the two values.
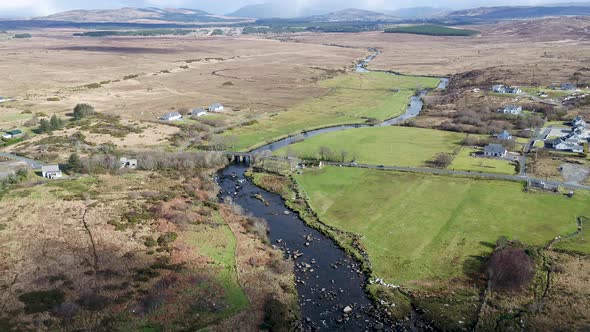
x=12, y=134
x=128, y=163
x=198, y=112
x=505, y=135
x=2, y=99
x=172, y=116
x=51, y=172
x=495, y=150
x=511, y=109
x=500, y=88
x=217, y=107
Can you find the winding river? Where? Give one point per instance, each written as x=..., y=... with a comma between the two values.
x=330, y=284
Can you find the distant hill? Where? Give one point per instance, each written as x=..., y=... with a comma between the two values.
x=353, y=15
x=503, y=13
x=418, y=12
x=136, y=15
x=274, y=10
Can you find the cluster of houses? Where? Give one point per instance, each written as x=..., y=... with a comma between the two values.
x=511, y=109
x=16, y=133
x=175, y=116
x=501, y=88
x=574, y=141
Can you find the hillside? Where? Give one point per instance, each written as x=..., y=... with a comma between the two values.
x=554, y=28
x=417, y=12
x=135, y=15
x=502, y=13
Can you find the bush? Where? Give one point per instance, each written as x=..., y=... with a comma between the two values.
x=510, y=269
x=167, y=238
x=276, y=316
x=442, y=160
x=40, y=301
x=82, y=111
x=23, y=35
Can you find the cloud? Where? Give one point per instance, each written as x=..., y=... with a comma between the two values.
x=28, y=7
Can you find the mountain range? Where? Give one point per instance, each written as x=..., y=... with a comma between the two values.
x=286, y=10
x=137, y=15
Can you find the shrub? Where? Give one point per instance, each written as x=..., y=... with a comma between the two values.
x=82, y=111
x=167, y=238
x=40, y=301
x=442, y=160
x=510, y=269
x=276, y=316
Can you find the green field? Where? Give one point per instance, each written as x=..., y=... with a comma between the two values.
x=399, y=146
x=463, y=161
x=219, y=244
x=432, y=30
x=352, y=98
x=424, y=230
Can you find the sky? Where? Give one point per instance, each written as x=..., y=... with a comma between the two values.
x=32, y=8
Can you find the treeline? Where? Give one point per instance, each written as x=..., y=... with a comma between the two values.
x=432, y=30
x=149, y=161
x=140, y=33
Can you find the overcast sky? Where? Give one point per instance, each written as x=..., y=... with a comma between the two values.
x=23, y=8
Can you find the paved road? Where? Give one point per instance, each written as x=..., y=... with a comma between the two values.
x=34, y=164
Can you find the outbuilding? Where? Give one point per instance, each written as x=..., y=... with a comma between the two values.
x=12, y=134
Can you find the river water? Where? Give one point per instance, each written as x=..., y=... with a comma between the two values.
x=328, y=280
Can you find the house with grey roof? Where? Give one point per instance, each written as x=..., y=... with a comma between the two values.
x=51, y=172
x=578, y=122
x=197, y=112
x=217, y=107
x=505, y=136
x=172, y=116
x=511, y=109
x=568, y=87
x=504, y=89
x=495, y=150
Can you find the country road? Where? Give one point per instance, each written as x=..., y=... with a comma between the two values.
x=34, y=164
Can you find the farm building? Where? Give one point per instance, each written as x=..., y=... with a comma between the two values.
x=495, y=150
x=51, y=172
x=511, y=109
x=500, y=88
x=198, y=112
x=128, y=163
x=12, y=134
x=505, y=135
x=172, y=116
x=217, y=107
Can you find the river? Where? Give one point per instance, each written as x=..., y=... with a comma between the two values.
x=328, y=280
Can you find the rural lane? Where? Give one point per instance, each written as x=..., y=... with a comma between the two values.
x=34, y=164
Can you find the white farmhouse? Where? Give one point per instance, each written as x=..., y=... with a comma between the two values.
x=511, y=109
x=51, y=172
x=172, y=116
x=495, y=150
x=217, y=107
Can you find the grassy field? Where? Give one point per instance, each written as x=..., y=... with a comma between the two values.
x=352, y=98
x=432, y=30
x=218, y=243
x=400, y=146
x=465, y=162
x=422, y=230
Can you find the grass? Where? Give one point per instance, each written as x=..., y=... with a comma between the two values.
x=463, y=161
x=423, y=230
x=432, y=30
x=352, y=98
x=399, y=146
x=219, y=244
